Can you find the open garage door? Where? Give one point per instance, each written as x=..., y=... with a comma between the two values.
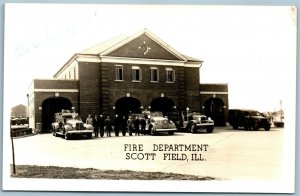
x=126, y=105
x=214, y=108
x=162, y=104
x=51, y=106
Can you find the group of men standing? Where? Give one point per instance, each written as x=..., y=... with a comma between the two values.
x=100, y=124
x=135, y=123
x=104, y=124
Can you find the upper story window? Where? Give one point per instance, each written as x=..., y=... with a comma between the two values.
x=136, y=74
x=74, y=72
x=119, y=72
x=170, y=75
x=154, y=74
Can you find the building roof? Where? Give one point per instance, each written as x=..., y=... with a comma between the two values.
x=102, y=47
x=113, y=44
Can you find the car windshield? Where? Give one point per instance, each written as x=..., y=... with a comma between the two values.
x=255, y=113
x=196, y=117
x=67, y=116
x=157, y=114
x=197, y=113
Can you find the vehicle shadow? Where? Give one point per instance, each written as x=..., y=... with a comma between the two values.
x=241, y=129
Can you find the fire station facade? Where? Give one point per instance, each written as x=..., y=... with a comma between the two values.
x=126, y=75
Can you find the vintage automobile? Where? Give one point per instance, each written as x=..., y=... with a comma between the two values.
x=19, y=126
x=68, y=123
x=156, y=122
x=248, y=119
x=192, y=121
x=278, y=121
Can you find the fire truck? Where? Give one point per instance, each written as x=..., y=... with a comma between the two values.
x=68, y=123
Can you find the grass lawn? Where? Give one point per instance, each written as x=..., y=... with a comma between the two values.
x=33, y=171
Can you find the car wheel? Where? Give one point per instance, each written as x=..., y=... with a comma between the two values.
x=67, y=136
x=89, y=135
x=255, y=127
x=53, y=131
x=193, y=128
x=209, y=129
x=151, y=130
x=171, y=132
x=267, y=127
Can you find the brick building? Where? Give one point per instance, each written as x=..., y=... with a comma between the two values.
x=123, y=75
x=19, y=111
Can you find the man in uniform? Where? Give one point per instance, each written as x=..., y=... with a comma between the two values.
x=101, y=125
x=96, y=123
x=89, y=120
x=108, y=126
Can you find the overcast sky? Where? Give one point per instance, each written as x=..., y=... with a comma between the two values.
x=253, y=49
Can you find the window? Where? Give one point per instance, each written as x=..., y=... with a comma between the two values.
x=154, y=74
x=136, y=74
x=170, y=75
x=119, y=72
x=75, y=77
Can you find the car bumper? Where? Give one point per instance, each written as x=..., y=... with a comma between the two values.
x=204, y=124
x=163, y=130
x=80, y=131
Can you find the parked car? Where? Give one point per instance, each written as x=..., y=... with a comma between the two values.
x=19, y=126
x=68, y=123
x=248, y=119
x=192, y=121
x=278, y=121
x=156, y=122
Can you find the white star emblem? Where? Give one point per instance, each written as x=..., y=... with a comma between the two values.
x=145, y=48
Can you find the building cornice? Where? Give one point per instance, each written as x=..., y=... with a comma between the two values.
x=56, y=90
x=126, y=60
x=212, y=93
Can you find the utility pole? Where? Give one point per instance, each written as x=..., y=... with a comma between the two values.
x=13, y=149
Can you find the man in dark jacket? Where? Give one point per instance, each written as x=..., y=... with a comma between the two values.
x=96, y=123
x=136, y=124
x=101, y=125
x=143, y=125
x=108, y=126
x=117, y=125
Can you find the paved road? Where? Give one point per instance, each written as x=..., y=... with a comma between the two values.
x=230, y=154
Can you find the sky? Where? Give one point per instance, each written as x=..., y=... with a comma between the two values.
x=251, y=48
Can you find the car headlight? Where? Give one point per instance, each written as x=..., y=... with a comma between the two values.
x=209, y=118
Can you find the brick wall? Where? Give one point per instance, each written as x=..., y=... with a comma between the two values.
x=55, y=84
x=218, y=91
x=145, y=91
x=192, y=90
x=214, y=87
x=89, y=88
x=51, y=85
